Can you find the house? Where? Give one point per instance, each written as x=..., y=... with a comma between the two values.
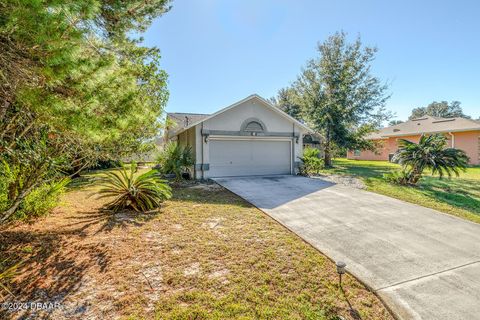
x=249, y=137
x=462, y=134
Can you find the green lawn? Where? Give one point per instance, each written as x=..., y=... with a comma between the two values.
x=207, y=254
x=457, y=196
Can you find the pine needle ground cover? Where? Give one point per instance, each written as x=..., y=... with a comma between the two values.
x=206, y=254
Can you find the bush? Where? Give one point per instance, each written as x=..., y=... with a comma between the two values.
x=175, y=159
x=311, y=163
x=398, y=177
x=106, y=164
x=41, y=200
x=8, y=176
x=143, y=193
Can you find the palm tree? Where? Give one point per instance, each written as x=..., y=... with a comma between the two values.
x=429, y=153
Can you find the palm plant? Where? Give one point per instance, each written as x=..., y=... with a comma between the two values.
x=429, y=153
x=7, y=272
x=142, y=193
x=175, y=159
x=311, y=162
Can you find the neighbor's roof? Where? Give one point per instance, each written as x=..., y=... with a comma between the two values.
x=426, y=124
x=203, y=117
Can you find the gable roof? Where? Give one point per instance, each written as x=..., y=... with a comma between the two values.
x=184, y=120
x=236, y=104
x=427, y=124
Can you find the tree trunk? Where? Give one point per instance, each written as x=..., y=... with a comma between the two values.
x=13, y=208
x=327, y=156
x=416, y=175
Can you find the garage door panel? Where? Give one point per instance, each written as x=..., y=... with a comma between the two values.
x=249, y=157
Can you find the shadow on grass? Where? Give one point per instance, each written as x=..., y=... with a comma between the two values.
x=53, y=265
x=80, y=182
x=367, y=172
x=209, y=194
x=353, y=312
x=106, y=220
x=461, y=193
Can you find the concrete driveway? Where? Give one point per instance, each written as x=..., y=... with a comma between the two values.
x=422, y=263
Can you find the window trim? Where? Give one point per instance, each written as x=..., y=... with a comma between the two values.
x=245, y=124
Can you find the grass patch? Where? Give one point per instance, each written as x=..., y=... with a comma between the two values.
x=206, y=255
x=457, y=196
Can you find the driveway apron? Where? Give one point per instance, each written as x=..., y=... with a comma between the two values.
x=423, y=264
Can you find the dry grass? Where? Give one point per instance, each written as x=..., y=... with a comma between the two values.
x=206, y=255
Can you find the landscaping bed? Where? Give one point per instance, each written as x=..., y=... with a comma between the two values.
x=207, y=254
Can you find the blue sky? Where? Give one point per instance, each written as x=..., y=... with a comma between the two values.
x=217, y=52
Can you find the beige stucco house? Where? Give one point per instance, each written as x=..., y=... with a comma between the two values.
x=249, y=137
x=462, y=134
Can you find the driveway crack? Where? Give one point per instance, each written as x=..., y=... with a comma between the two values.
x=427, y=275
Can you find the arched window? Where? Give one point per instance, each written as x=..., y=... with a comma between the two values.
x=253, y=126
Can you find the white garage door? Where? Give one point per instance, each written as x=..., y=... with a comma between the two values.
x=249, y=157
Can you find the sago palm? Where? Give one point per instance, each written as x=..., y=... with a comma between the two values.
x=142, y=193
x=429, y=153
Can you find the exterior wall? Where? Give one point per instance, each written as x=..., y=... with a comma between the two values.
x=232, y=120
x=468, y=141
x=380, y=154
x=187, y=138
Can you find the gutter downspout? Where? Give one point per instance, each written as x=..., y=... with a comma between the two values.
x=292, y=158
x=453, y=139
x=201, y=166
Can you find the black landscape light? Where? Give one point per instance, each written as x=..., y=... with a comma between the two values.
x=340, y=270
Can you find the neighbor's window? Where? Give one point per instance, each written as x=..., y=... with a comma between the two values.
x=356, y=153
x=254, y=126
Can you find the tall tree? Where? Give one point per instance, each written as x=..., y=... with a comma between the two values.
x=395, y=122
x=287, y=101
x=441, y=109
x=338, y=95
x=75, y=86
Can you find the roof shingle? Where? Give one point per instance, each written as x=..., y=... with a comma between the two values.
x=426, y=124
x=183, y=120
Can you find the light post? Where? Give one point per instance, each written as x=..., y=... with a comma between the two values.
x=340, y=270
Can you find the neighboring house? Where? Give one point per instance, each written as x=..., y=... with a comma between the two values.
x=250, y=137
x=462, y=134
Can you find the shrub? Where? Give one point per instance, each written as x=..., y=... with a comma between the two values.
x=311, y=163
x=105, y=164
x=142, y=193
x=175, y=159
x=8, y=176
x=41, y=200
x=429, y=153
x=397, y=177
